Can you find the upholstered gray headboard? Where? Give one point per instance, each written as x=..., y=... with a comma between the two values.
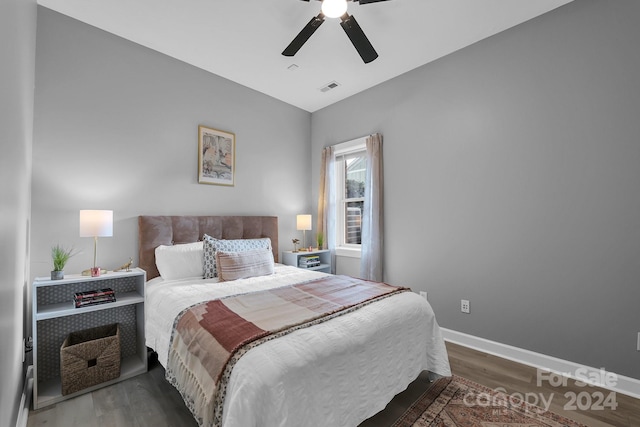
x=154, y=231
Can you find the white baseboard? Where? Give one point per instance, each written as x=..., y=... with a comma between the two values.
x=25, y=401
x=596, y=376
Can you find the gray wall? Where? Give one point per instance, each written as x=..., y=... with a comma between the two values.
x=116, y=128
x=17, y=50
x=512, y=173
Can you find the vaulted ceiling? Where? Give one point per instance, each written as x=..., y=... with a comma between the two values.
x=242, y=40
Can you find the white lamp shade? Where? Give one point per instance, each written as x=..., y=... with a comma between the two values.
x=303, y=222
x=96, y=223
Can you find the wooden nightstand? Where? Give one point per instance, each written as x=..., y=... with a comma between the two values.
x=294, y=258
x=55, y=316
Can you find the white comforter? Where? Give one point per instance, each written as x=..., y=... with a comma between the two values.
x=336, y=374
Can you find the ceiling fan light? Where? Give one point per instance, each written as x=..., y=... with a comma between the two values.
x=334, y=8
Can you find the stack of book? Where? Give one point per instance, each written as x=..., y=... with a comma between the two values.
x=309, y=261
x=98, y=296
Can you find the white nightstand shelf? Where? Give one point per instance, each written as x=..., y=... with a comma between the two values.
x=293, y=258
x=54, y=317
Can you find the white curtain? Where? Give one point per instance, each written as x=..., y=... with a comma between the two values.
x=327, y=202
x=372, y=218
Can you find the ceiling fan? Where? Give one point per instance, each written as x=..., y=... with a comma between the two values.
x=336, y=9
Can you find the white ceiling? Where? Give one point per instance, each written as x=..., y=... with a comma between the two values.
x=242, y=40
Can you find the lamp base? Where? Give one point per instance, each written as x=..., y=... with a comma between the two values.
x=94, y=272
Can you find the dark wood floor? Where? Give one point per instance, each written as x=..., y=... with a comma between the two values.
x=148, y=400
x=494, y=372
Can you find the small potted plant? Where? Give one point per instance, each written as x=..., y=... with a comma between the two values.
x=295, y=244
x=60, y=256
x=320, y=239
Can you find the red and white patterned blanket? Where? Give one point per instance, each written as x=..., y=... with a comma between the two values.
x=210, y=337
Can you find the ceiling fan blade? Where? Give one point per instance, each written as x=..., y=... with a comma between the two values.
x=357, y=37
x=304, y=35
x=368, y=1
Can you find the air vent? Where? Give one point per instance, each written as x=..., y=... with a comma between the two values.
x=329, y=86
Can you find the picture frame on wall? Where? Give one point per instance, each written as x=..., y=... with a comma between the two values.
x=216, y=156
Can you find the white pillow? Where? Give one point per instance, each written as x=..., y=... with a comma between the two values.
x=180, y=261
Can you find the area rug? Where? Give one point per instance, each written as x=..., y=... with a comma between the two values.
x=458, y=402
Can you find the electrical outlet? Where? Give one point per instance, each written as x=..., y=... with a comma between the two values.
x=464, y=306
x=27, y=346
x=423, y=294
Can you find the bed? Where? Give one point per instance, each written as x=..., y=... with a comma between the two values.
x=337, y=371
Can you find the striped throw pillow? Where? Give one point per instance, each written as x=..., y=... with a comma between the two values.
x=240, y=265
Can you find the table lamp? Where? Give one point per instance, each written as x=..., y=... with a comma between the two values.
x=95, y=224
x=303, y=223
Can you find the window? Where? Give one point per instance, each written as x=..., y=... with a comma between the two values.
x=351, y=166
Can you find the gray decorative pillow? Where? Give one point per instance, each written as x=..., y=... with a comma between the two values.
x=211, y=245
x=209, y=260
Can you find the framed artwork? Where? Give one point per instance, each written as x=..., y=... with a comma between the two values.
x=216, y=156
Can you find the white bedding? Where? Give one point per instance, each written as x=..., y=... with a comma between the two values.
x=337, y=373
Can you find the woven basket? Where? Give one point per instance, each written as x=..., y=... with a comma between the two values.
x=90, y=357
